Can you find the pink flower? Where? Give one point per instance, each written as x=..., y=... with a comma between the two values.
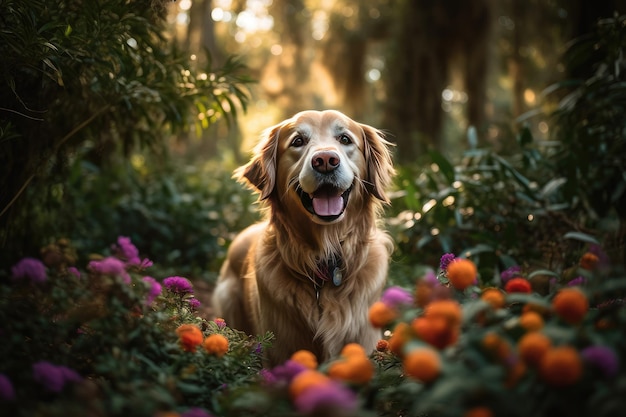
x=29, y=269
x=328, y=398
x=178, y=285
x=7, y=392
x=154, y=290
x=110, y=266
x=194, y=303
x=127, y=251
x=221, y=323
x=54, y=377
x=74, y=271
x=396, y=296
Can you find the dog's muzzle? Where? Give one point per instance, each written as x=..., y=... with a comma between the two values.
x=327, y=202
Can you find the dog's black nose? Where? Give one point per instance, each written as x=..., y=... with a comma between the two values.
x=325, y=161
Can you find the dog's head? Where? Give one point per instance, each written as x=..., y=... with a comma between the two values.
x=320, y=159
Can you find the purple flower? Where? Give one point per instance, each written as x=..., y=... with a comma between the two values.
x=110, y=266
x=178, y=285
x=29, y=269
x=267, y=376
x=7, y=393
x=194, y=303
x=221, y=323
x=74, y=271
x=127, y=251
x=510, y=273
x=430, y=278
x=603, y=358
x=154, y=289
x=195, y=412
x=396, y=296
x=258, y=349
x=145, y=263
x=576, y=281
x=445, y=261
x=285, y=372
x=54, y=377
x=327, y=397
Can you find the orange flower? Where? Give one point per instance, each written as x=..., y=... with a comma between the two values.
x=571, y=305
x=450, y=310
x=588, y=261
x=561, y=366
x=380, y=314
x=435, y=330
x=382, y=345
x=353, y=349
x=306, y=379
x=356, y=369
x=423, y=293
x=496, y=346
x=305, y=358
x=401, y=334
x=478, y=412
x=532, y=347
x=461, y=273
x=216, y=344
x=531, y=321
x=423, y=364
x=190, y=336
x=494, y=297
x=514, y=374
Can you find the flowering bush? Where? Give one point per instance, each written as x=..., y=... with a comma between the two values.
x=112, y=341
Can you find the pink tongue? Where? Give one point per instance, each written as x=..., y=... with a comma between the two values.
x=327, y=205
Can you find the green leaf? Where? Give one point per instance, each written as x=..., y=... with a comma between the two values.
x=445, y=167
x=583, y=237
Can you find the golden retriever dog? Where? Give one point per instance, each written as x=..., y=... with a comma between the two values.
x=310, y=272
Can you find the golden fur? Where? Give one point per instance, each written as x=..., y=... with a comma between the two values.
x=268, y=282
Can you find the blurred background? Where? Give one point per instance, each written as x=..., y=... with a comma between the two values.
x=128, y=119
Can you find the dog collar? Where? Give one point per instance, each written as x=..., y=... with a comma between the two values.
x=329, y=271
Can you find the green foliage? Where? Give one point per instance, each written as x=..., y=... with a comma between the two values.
x=589, y=120
x=124, y=346
x=94, y=75
x=186, y=216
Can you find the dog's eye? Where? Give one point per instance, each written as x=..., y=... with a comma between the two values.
x=344, y=140
x=297, y=142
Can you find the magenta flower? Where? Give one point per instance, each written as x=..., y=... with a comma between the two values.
x=396, y=296
x=576, y=281
x=195, y=412
x=430, y=278
x=154, y=289
x=127, y=251
x=194, y=303
x=178, y=285
x=7, y=392
x=110, y=266
x=285, y=372
x=54, y=377
x=29, y=269
x=330, y=398
x=74, y=271
x=510, y=273
x=445, y=261
x=602, y=358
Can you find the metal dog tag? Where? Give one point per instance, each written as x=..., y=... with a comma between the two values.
x=337, y=276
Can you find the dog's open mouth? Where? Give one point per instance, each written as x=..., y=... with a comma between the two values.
x=327, y=202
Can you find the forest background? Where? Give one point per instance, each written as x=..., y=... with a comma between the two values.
x=139, y=137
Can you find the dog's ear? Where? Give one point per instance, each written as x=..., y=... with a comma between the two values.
x=380, y=169
x=260, y=172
